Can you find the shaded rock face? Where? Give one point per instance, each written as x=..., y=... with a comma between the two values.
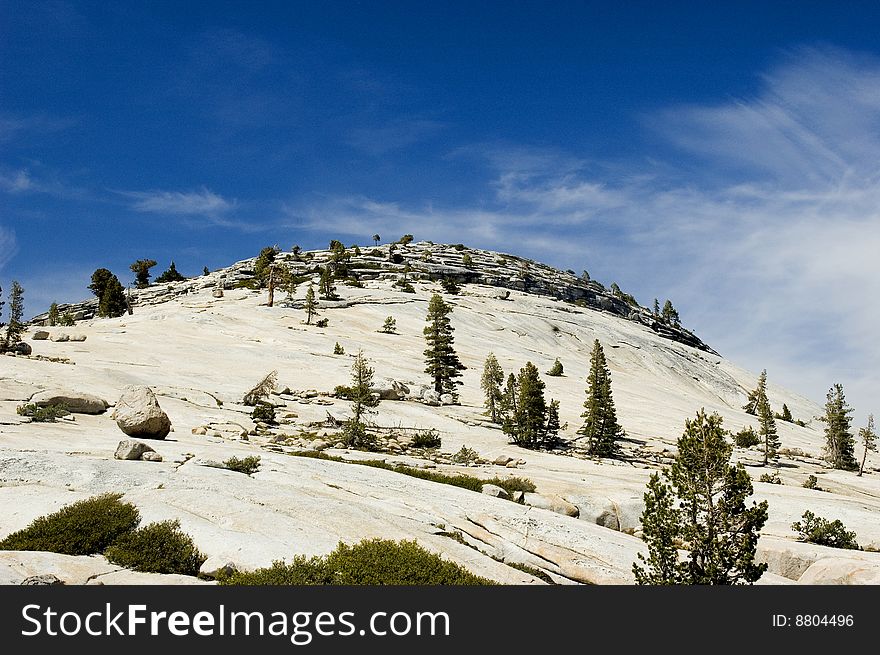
x=42, y=580
x=74, y=401
x=21, y=349
x=138, y=414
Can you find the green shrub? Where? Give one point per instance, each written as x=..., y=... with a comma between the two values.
x=427, y=439
x=556, y=369
x=338, y=350
x=770, y=478
x=746, y=438
x=39, y=414
x=344, y=392
x=248, y=465
x=459, y=246
x=322, y=323
x=466, y=455
x=264, y=412
x=450, y=286
x=83, y=528
x=370, y=562
x=404, y=286
x=816, y=530
x=531, y=570
x=812, y=482
x=512, y=484
x=157, y=548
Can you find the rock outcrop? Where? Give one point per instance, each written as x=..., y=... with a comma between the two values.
x=76, y=402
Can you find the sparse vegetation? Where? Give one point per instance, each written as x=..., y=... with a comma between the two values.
x=157, y=548
x=389, y=326
x=817, y=530
x=171, y=275
x=263, y=411
x=85, y=527
x=427, y=439
x=466, y=456
x=770, y=478
x=370, y=562
x=450, y=286
x=526, y=419
x=311, y=305
x=322, y=323
x=39, y=414
x=338, y=350
x=869, y=441
x=262, y=389
x=746, y=438
x=812, y=482
x=53, y=317
x=467, y=261
x=555, y=370
x=246, y=465
x=355, y=433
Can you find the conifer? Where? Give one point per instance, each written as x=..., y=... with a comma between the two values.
x=311, y=305
x=766, y=422
x=490, y=382
x=441, y=360
x=869, y=441
x=839, y=443
x=600, y=417
x=363, y=401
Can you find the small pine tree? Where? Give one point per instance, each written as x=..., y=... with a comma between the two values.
x=54, y=316
x=556, y=369
x=376, y=239
x=507, y=406
x=551, y=431
x=406, y=239
x=325, y=286
x=669, y=313
x=529, y=424
x=466, y=260
x=441, y=360
x=15, y=327
x=111, y=300
x=490, y=382
x=450, y=286
x=390, y=325
x=600, y=417
x=786, y=414
x=869, y=441
x=702, y=509
x=656, y=310
x=363, y=401
x=141, y=269
x=205, y=271
x=766, y=422
x=171, y=275
x=838, y=435
x=264, y=263
x=338, y=350
x=311, y=305
x=66, y=319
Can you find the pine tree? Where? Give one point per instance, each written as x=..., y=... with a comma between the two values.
x=171, y=275
x=311, y=306
x=555, y=370
x=100, y=280
x=205, y=271
x=656, y=308
x=786, y=414
x=669, y=313
x=869, y=441
x=263, y=264
x=441, y=360
x=110, y=293
x=507, y=406
x=708, y=516
x=54, y=316
x=141, y=269
x=490, y=382
x=2, y=302
x=528, y=424
x=363, y=401
x=15, y=327
x=551, y=431
x=325, y=286
x=390, y=325
x=376, y=239
x=839, y=444
x=600, y=417
x=766, y=422
x=67, y=319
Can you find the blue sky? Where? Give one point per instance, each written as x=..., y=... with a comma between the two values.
x=723, y=157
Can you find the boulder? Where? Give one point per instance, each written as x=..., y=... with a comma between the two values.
x=44, y=580
x=502, y=460
x=552, y=503
x=216, y=566
x=494, y=490
x=60, y=337
x=40, y=335
x=151, y=456
x=447, y=399
x=21, y=348
x=138, y=414
x=131, y=449
x=841, y=570
x=217, y=292
x=75, y=402
x=200, y=431
x=77, y=337
x=393, y=391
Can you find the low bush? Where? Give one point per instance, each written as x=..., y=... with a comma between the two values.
x=512, y=484
x=450, y=286
x=531, y=570
x=338, y=350
x=248, y=465
x=85, y=527
x=39, y=414
x=427, y=439
x=817, y=530
x=343, y=392
x=812, y=482
x=771, y=478
x=157, y=548
x=263, y=412
x=466, y=455
x=556, y=369
x=322, y=323
x=370, y=562
x=746, y=438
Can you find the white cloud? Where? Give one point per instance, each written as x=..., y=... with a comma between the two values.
x=8, y=246
x=775, y=266
x=202, y=202
x=16, y=182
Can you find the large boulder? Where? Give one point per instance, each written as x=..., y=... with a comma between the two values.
x=841, y=571
x=552, y=503
x=40, y=335
x=394, y=390
x=76, y=402
x=21, y=348
x=138, y=414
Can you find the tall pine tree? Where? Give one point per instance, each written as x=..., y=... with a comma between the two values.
x=363, y=402
x=325, y=286
x=507, y=406
x=869, y=441
x=766, y=422
x=702, y=509
x=600, y=418
x=15, y=327
x=441, y=360
x=839, y=443
x=490, y=382
x=530, y=417
x=311, y=305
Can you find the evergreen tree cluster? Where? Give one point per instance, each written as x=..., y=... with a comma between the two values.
x=110, y=293
x=526, y=417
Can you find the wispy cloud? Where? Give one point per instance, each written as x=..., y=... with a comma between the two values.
x=201, y=202
x=394, y=135
x=776, y=269
x=8, y=246
x=16, y=182
x=15, y=126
